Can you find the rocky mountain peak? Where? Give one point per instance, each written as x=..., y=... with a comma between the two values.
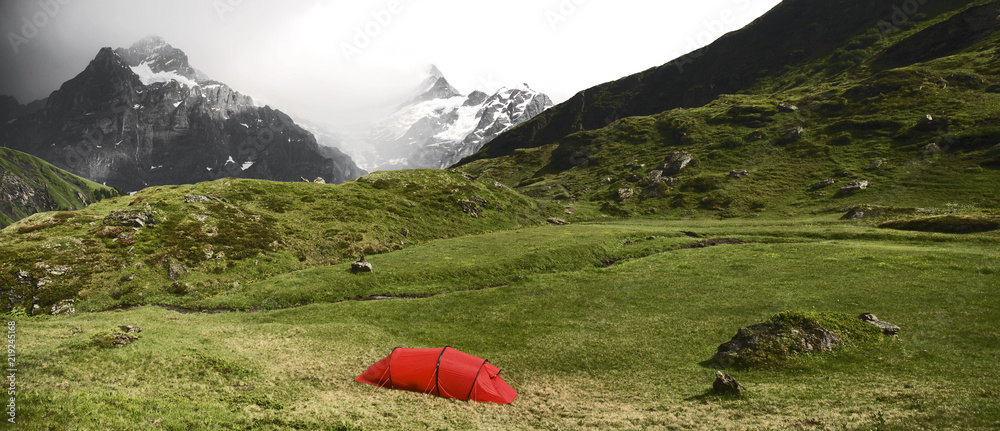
x=107, y=77
x=475, y=98
x=441, y=89
x=159, y=56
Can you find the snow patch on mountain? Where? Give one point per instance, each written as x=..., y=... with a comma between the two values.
x=148, y=77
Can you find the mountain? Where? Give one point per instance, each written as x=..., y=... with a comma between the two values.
x=851, y=103
x=439, y=126
x=792, y=33
x=30, y=185
x=143, y=116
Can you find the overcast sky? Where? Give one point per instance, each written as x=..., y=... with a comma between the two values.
x=334, y=61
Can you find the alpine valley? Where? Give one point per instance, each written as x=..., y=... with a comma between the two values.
x=829, y=162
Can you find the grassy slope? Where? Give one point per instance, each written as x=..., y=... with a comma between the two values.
x=622, y=347
x=62, y=189
x=854, y=111
x=256, y=230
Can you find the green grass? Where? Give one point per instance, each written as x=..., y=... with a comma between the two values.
x=607, y=323
x=249, y=231
x=620, y=347
x=853, y=108
x=50, y=188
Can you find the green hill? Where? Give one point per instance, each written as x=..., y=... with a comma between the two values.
x=29, y=185
x=180, y=245
x=920, y=126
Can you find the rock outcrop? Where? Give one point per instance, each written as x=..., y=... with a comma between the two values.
x=675, y=162
x=775, y=339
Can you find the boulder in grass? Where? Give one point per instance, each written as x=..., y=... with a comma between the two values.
x=887, y=328
x=675, y=162
x=776, y=339
x=362, y=265
x=824, y=184
x=787, y=334
x=726, y=385
x=854, y=186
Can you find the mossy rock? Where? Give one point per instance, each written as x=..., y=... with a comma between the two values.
x=787, y=334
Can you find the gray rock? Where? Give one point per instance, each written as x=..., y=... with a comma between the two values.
x=319, y=180
x=557, y=221
x=875, y=164
x=932, y=148
x=854, y=186
x=133, y=218
x=794, y=134
x=824, y=184
x=726, y=385
x=196, y=198
x=787, y=107
x=129, y=329
x=176, y=271
x=64, y=307
x=362, y=265
x=304, y=180
x=625, y=193
x=739, y=173
x=652, y=191
x=654, y=175
x=58, y=270
x=857, y=213
x=887, y=328
x=675, y=162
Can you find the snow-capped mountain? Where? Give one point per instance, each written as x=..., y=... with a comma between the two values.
x=440, y=125
x=153, y=58
x=143, y=116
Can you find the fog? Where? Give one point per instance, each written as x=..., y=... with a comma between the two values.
x=344, y=62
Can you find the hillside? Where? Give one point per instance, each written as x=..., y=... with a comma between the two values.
x=792, y=36
x=30, y=185
x=179, y=245
x=917, y=127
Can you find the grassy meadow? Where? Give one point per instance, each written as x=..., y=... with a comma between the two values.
x=588, y=345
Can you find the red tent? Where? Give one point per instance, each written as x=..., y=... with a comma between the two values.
x=444, y=372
